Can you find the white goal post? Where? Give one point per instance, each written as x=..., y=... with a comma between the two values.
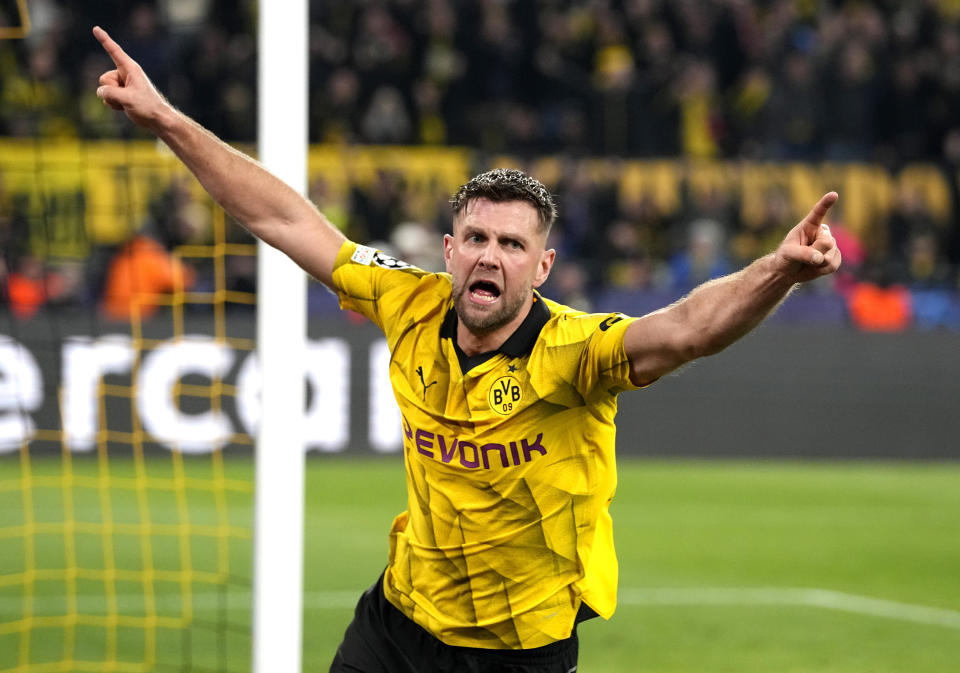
x=281, y=346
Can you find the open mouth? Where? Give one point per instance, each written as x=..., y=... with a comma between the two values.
x=484, y=292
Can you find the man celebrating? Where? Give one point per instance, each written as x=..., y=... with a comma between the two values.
x=507, y=399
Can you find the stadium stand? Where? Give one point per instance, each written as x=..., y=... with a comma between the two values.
x=714, y=120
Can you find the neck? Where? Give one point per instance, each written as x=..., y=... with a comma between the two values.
x=473, y=342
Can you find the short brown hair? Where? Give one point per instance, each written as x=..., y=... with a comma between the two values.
x=508, y=184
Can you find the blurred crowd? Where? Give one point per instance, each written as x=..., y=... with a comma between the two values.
x=755, y=80
x=780, y=79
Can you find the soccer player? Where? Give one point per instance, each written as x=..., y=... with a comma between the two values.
x=507, y=400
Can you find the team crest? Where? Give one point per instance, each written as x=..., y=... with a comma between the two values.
x=387, y=262
x=505, y=395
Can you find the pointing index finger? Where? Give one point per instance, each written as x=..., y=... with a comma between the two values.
x=119, y=56
x=811, y=224
x=815, y=216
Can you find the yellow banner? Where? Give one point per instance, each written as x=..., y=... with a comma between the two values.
x=74, y=195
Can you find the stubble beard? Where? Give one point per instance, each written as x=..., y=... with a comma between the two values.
x=484, y=322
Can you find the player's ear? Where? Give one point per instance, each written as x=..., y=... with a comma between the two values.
x=448, y=250
x=543, y=269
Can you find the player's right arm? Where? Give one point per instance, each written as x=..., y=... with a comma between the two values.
x=270, y=209
x=720, y=311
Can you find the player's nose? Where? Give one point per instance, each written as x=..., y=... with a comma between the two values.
x=490, y=256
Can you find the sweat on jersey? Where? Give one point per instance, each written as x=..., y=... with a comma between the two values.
x=509, y=460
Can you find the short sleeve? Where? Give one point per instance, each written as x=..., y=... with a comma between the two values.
x=371, y=282
x=604, y=364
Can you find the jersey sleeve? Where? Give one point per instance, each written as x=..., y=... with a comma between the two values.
x=604, y=365
x=373, y=283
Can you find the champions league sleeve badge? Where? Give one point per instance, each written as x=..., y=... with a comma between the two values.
x=387, y=262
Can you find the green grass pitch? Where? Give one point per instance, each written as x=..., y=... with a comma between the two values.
x=724, y=566
x=707, y=550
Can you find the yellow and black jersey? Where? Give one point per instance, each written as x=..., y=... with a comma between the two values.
x=509, y=460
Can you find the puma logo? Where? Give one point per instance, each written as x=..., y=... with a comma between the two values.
x=424, y=383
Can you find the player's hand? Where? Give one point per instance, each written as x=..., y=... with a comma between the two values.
x=128, y=88
x=809, y=250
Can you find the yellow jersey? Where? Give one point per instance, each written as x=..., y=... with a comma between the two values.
x=509, y=460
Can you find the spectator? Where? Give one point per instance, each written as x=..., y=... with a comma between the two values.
x=335, y=108
x=31, y=285
x=926, y=267
x=749, y=112
x=703, y=258
x=378, y=208
x=148, y=42
x=951, y=167
x=35, y=101
x=656, y=130
x=571, y=286
x=416, y=243
x=27, y=287
x=903, y=134
x=877, y=304
x=759, y=235
x=851, y=98
x=930, y=281
x=139, y=276
x=629, y=266
x=386, y=120
x=144, y=269
x=795, y=110
x=701, y=124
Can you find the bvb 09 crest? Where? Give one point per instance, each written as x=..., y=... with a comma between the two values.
x=505, y=395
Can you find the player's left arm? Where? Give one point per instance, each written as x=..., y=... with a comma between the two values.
x=721, y=311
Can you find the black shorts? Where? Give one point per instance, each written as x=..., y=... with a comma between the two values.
x=381, y=639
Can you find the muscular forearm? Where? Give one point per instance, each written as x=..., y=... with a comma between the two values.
x=258, y=200
x=721, y=311
x=266, y=206
x=704, y=322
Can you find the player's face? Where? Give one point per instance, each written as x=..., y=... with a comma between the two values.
x=496, y=257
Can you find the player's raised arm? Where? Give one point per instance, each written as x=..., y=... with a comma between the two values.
x=270, y=209
x=721, y=311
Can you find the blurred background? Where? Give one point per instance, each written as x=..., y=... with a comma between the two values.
x=682, y=140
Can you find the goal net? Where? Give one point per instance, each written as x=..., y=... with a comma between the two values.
x=126, y=473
